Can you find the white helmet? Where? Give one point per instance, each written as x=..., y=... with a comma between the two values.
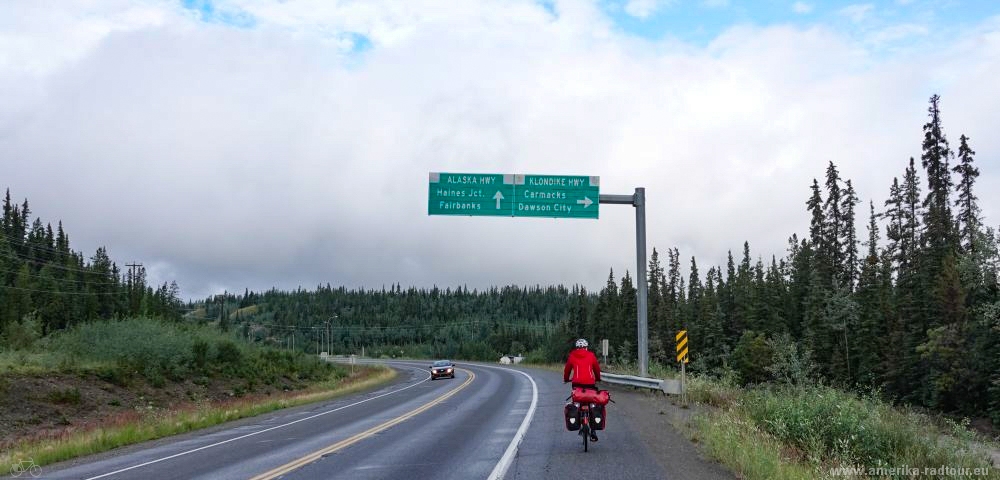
x=581, y=343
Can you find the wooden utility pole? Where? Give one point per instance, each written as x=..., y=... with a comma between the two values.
x=134, y=301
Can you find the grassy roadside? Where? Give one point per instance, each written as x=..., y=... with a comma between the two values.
x=106, y=384
x=158, y=424
x=820, y=432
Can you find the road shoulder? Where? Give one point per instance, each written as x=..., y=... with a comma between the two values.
x=652, y=417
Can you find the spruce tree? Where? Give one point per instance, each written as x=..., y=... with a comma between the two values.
x=714, y=341
x=935, y=160
x=817, y=224
x=694, y=294
x=759, y=306
x=870, y=322
x=7, y=267
x=968, y=208
x=816, y=334
x=742, y=292
x=607, y=313
x=894, y=213
x=800, y=260
x=911, y=214
x=775, y=292
x=628, y=322
x=730, y=328
x=657, y=329
x=671, y=297
x=696, y=329
x=833, y=220
x=848, y=238
x=8, y=215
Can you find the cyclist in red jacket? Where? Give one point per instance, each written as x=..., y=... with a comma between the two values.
x=583, y=369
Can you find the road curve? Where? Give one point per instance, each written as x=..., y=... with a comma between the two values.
x=459, y=428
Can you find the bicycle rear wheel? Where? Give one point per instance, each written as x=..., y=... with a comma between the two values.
x=585, y=429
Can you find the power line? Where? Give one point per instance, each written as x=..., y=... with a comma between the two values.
x=72, y=280
x=360, y=328
x=54, y=292
x=48, y=263
x=26, y=243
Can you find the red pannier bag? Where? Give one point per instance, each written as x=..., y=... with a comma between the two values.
x=586, y=395
x=599, y=416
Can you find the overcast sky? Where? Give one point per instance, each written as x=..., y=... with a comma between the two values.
x=231, y=144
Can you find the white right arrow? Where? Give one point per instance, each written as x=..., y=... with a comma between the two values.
x=586, y=202
x=498, y=197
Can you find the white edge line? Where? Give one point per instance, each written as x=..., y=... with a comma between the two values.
x=508, y=456
x=158, y=460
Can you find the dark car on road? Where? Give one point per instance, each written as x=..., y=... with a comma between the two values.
x=442, y=368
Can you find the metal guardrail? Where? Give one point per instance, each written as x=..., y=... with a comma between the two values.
x=632, y=380
x=668, y=386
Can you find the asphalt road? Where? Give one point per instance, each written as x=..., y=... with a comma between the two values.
x=468, y=427
x=415, y=428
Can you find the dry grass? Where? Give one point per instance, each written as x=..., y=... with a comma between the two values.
x=141, y=425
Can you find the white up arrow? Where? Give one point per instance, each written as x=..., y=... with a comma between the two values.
x=498, y=197
x=586, y=202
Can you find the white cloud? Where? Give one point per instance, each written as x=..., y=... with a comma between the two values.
x=802, y=7
x=642, y=8
x=857, y=12
x=895, y=33
x=250, y=158
x=36, y=38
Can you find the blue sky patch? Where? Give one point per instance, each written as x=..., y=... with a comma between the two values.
x=549, y=6
x=209, y=13
x=701, y=21
x=359, y=42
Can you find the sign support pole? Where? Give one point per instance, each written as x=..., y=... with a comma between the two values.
x=684, y=392
x=682, y=357
x=638, y=200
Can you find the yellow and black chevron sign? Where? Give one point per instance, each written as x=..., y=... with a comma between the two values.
x=682, y=346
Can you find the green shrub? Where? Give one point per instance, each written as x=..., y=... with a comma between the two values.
x=717, y=393
x=67, y=396
x=144, y=346
x=536, y=356
x=23, y=334
x=115, y=374
x=792, y=363
x=227, y=353
x=199, y=354
x=752, y=358
x=120, y=351
x=829, y=425
x=157, y=381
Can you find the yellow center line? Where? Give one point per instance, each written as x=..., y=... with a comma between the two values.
x=312, y=457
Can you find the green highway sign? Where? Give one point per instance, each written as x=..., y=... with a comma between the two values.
x=470, y=194
x=558, y=196
x=476, y=194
